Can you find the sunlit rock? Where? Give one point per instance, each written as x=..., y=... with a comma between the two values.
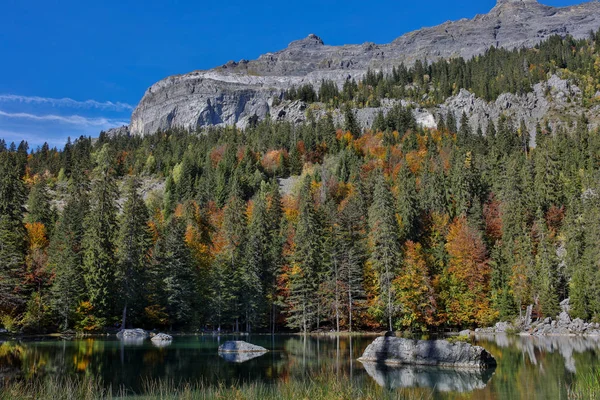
x=239, y=346
x=399, y=351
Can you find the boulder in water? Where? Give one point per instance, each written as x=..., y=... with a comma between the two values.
x=240, y=346
x=132, y=334
x=441, y=353
x=162, y=337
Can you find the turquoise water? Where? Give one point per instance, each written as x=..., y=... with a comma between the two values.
x=528, y=368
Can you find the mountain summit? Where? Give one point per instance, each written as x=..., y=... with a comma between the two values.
x=237, y=92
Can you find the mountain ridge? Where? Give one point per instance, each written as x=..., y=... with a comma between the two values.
x=236, y=92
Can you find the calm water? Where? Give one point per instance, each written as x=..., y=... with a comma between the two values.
x=528, y=368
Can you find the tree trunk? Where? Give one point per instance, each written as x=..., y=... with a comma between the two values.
x=124, y=320
x=349, y=309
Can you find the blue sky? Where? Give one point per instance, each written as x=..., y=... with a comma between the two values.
x=76, y=67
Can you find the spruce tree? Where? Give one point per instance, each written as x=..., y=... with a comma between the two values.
x=66, y=255
x=546, y=270
x=12, y=234
x=385, y=246
x=133, y=245
x=99, y=239
x=178, y=276
x=256, y=270
x=306, y=264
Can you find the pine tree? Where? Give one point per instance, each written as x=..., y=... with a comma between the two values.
x=546, y=269
x=12, y=235
x=234, y=232
x=385, y=247
x=66, y=255
x=352, y=249
x=99, y=239
x=38, y=205
x=256, y=270
x=306, y=261
x=408, y=205
x=177, y=277
x=133, y=245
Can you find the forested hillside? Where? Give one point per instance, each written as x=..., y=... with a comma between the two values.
x=394, y=227
x=488, y=76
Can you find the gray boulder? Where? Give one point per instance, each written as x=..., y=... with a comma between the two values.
x=132, y=334
x=240, y=346
x=441, y=353
x=162, y=337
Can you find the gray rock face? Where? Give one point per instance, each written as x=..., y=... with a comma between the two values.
x=440, y=353
x=238, y=92
x=442, y=379
x=240, y=346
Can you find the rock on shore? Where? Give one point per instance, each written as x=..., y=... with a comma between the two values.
x=240, y=346
x=562, y=325
x=441, y=353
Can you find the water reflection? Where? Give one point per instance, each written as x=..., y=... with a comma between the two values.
x=133, y=341
x=441, y=379
x=161, y=343
x=535, y=347
x=239, y=358
x=528, y=367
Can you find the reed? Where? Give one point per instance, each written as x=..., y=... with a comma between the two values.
x=319, y=388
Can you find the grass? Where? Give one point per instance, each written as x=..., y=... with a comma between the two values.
x=587, y=386
x=89, y=388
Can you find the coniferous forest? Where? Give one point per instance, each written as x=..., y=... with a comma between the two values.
x=313, y=226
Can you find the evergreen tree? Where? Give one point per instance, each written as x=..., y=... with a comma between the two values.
x=408, y=205
x=38, y=205
x=66, y=255
x=306, y=261
x=99, y=239
x=178, y=277
x=256, y=270
x=12, y=235
x=385, y=247
x=546, y=268
x=133, y=245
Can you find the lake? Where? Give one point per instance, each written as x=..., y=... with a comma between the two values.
x=528, y=367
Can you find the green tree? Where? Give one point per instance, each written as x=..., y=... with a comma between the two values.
x=133, y=245
x=66, y=255
x=385, y=246
x=306, y=261
x=99, y=239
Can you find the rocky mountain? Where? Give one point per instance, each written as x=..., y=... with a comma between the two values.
x=238, y=92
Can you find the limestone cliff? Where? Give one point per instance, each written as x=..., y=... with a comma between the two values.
x=239, y=91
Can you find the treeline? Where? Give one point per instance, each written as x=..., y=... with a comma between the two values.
x=383, y=229
x=495, y=72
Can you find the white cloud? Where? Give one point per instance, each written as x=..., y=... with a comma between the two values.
x=68, y=119
x=66, y=102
